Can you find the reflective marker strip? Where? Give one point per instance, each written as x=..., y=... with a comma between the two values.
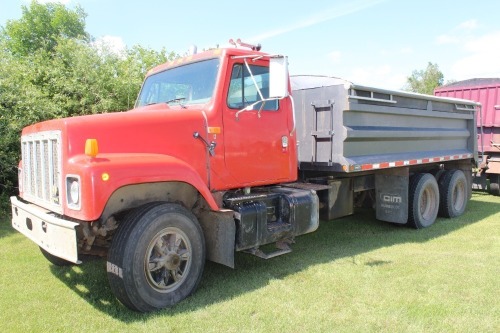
x=385, y=165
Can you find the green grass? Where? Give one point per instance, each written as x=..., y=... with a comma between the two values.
x=354, y=274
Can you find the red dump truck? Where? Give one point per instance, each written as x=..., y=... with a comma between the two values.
x=224, y=152
x=487, y=93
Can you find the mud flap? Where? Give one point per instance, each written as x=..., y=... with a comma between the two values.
x=219, y=230
x=392, y=195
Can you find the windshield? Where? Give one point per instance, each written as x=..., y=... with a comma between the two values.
x=189, y=84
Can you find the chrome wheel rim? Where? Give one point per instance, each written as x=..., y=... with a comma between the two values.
x=168, y=259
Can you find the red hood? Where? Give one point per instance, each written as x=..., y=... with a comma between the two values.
x=158, y=129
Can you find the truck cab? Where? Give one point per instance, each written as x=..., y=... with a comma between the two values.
x=249, y=136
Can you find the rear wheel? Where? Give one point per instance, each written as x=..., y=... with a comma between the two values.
x=454, y=193
x=495, y=184
x=156, y=258
x=437, y=173
x=423, y=200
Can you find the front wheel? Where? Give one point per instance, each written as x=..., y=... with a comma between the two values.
x=156, y=258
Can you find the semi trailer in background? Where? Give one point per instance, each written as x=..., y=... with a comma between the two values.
x=487, y=93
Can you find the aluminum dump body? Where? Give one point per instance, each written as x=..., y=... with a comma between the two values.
x=343, y=127
x=486, y=92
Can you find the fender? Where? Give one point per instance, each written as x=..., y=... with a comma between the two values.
x=104, y=175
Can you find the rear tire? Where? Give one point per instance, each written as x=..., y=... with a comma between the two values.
x=495, y=184
x=437, y=173
x=55, y=260
x=156, y=258
x=423, y=200
x=454, y=193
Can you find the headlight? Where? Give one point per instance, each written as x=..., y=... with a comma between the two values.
x=73, y=191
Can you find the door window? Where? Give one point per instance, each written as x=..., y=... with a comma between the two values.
x=243, y=90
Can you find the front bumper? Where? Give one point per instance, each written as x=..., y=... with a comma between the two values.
x=55, y=235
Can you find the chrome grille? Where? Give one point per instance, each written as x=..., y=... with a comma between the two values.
x=42, y=180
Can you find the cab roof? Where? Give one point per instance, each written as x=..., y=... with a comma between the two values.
x=210, y=54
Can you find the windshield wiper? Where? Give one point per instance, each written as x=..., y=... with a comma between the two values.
x=178, y=99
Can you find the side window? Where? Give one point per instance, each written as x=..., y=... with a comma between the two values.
x=242, y=91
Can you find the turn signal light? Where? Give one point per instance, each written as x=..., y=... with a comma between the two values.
x=91, y=147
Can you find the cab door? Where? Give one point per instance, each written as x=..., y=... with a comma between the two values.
x=258, y=146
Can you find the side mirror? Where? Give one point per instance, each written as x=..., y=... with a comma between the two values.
x=278, y=77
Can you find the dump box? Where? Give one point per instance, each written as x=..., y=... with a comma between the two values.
x=344, y=127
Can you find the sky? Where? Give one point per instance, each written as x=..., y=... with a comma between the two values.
x=369, y=42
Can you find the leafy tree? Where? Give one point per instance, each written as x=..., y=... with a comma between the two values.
x=425, y=81
x=130, y=70
x=40, y=27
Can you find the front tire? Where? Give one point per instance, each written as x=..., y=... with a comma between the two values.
x=423, y=200
x=156, y=258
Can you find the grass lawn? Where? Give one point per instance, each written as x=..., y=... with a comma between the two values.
x=354, y=274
